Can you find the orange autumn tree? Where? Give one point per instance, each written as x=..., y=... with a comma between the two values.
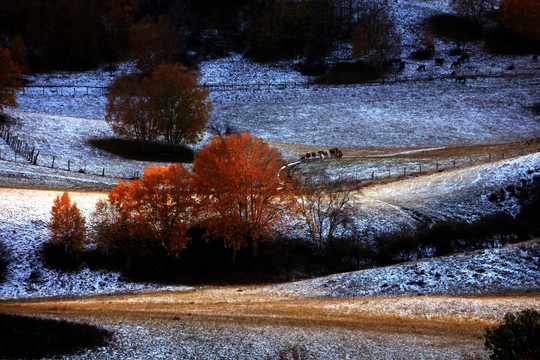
x=522, y=17
x=67, y=224
x=148, y=215
x=242, y=196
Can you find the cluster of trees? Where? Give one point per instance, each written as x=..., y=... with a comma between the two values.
x=521, y=17
x=235, y=192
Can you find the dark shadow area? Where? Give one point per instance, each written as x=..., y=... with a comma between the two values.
x=24, y=337
x=5, y=119
x=500, y=40
x=350, y=73
x=536, y=109
x=3, y=262
x=455, y=28
x=132, y=150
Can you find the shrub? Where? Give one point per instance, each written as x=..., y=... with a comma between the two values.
x=517, y=337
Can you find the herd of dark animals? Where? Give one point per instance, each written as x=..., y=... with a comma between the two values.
x=321, y=154
x=399, y=64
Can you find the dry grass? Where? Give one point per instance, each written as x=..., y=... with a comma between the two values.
x=454, y=317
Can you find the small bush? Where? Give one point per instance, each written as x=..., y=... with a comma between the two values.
x=33, y=338
x=350, y=73
x=297, y=352
x=517, y=337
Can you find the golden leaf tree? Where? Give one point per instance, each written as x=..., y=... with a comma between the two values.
x=177, y=103
x=168, y=104
x=243, y=198
x=67, y=224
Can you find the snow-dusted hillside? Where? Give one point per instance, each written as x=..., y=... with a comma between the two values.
x=274, y=102
x=460, y=194
x=23, y=217
x=512, y=269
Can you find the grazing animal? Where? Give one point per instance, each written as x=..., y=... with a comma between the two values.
x=535, y=58
x=453, y=74
x=463, y=58
x=335, y=152
x=313, y=154
x=439, y=62
x=455, y=64
x=461, y=79
x=421, y=68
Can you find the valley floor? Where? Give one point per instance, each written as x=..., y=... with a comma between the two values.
x=250, y=323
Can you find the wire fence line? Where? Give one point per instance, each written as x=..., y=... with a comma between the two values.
x=86, y=90
x=367, y=169
x=361, y=176
x=31, y=155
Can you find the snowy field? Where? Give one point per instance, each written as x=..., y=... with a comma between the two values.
x=24, y=218
x=276, y=103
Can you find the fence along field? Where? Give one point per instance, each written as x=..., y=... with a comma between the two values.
x=30, y=154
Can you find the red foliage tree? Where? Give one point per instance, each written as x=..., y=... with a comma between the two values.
x=242, y=196
x=67, y=224
x=148, y=215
